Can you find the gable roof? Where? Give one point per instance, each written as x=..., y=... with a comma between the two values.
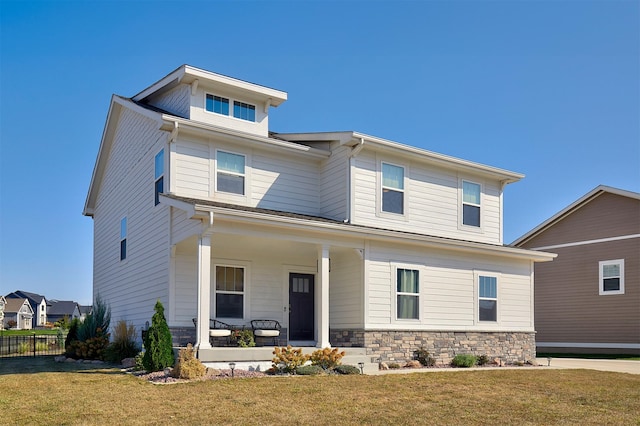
x=62, y=307
x=572, y=208
x=32, y=297
x=15, y=304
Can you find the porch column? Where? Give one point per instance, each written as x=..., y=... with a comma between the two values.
x=204, y=288
x=322, y=296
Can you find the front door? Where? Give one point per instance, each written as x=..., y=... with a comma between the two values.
x=301, y=312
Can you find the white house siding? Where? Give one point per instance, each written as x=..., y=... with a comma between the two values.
x=176, y=101
x=191, y=177
x=334, y=181
x=448, y=290
x=432, y=197
x=131, y=287
x=182, y=227
x=346, y=297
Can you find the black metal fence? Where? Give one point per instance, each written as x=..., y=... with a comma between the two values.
x=33, y=345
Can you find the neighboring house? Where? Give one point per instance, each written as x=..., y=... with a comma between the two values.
x=20, y=311
x=3, y=303
x=85, y=310
x=588, y=299
x=345, y=239
x=59, y=309
x=38, y=305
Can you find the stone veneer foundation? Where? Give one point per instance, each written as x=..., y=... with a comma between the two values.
x=399, y=346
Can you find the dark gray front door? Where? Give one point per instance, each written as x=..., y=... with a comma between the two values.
x=301, y=310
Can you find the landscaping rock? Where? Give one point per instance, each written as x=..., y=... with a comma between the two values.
x=128, y=362
x=533, y=362
x=413, y=364
x=60, y=358
x=69, y=360
x=383, y=366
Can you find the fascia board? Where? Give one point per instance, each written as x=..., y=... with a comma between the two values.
x=209, y=130
x=503, y=175
x=342, y=137
x=170, y=79
x=202, y=211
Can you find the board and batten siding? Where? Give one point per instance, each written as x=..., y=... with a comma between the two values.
x=448, y=290
x=432, y=200
x=346, y=290
x=131, y=287
x=176, y=101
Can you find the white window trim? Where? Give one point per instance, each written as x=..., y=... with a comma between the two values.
x=461, y=204
x=395, y=293
x=125, y=238
x=476, y=296
x=601, y=265
x=405, y=183
x=246, y=314
x=231, y=104
x=245, y=175
x=162, y=175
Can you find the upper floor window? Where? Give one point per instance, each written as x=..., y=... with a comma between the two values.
x=244, y=111
x=470, y=204
x=229, y=292
x=611, y=277
x=220, y=105
x=123, y=238
x=217, y=104
x=487, y=298
x=392, y=189
x=407, y=294
x=159, y=176
x=230, y=172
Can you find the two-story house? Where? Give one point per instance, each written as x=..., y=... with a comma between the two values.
x=344, y=238
x=18, y=314
x=38, y=305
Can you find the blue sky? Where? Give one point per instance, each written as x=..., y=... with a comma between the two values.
x=550, y=89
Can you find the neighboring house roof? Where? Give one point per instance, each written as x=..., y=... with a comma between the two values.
x=85, y=309
x=195, y=208
x=62, y=307
x=572, y=208
x=32, y=297
x=15, y=304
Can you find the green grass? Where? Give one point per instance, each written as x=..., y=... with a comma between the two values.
x=38, y=332
x=588, y=356
x=79, y=394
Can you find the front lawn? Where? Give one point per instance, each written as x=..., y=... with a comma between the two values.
x=492, y=396
x=38, y=332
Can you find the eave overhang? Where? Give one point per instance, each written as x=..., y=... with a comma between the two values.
x=196, y=209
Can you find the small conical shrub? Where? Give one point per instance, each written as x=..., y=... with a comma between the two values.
x=158, y=343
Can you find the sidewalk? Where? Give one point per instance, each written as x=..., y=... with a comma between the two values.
x=618, y=366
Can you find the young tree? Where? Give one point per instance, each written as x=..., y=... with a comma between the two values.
x=158, y=343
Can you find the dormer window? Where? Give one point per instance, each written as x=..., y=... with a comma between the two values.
x=220, y=105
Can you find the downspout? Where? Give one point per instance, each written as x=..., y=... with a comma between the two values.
x=350, y=178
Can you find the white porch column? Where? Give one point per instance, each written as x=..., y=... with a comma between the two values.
x=322, y=296
x=204, y=287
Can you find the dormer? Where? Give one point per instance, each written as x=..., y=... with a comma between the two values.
x=213, y=99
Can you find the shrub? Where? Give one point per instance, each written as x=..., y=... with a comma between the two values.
x=158, y=343
x=309, y=370
x=346, y=369
x=23, y=347
x=287, y=359
x=11, y=324
x=188, y=366
x=483, y=360
x=394, y=365
x=97, y=322
x=244, y=338
x=463, y=360
x=124, y=343
x=326, y=358
x=424, y=357
x=72, y=335
x=64, y=323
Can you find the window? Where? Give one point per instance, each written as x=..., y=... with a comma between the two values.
x=612, y=277
x=407, y=293
x=230, y=175
x=488, y=298
x=229, y=292
x=392, y=189
x=159, y=176
x=217, y=104
x=244, y=111
x=123, y=238
x=470, y=204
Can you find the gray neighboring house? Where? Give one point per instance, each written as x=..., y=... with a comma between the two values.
x=58, y=309
x=85, y=310
x=18, y=310
x=3, y=302
x=38, y=305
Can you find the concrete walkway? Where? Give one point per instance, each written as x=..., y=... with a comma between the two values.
x=615, y=365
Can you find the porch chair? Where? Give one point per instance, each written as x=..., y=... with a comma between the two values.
x=266, y=329
x=217, y=329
